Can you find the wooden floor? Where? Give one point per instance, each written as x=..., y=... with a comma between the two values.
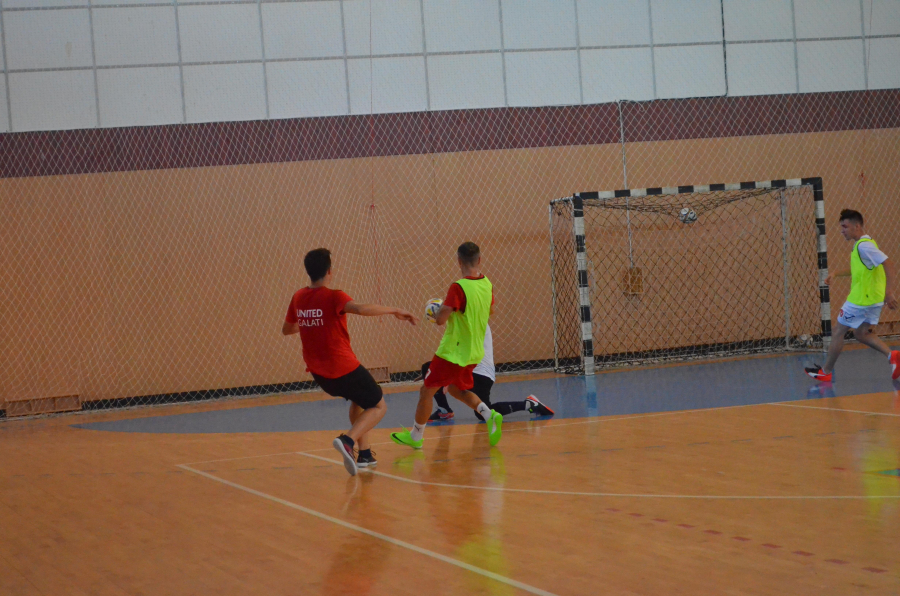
x=766, y=499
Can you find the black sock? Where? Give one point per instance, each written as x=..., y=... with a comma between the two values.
x=351, y=441
x=508, y=407
x=365, y=453
x=441, y=398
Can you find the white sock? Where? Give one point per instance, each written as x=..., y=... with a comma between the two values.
x=417, y=431
x=483, y=410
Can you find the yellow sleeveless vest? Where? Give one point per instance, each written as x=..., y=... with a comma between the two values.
x=867, y=286
x=463, y=341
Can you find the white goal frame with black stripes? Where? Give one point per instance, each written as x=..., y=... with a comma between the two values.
x=587, y=360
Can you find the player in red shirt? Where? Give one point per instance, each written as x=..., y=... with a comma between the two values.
x=319, y=315
x=465, y=311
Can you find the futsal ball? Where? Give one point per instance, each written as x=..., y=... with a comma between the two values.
x=687, y=216
x=431, y=309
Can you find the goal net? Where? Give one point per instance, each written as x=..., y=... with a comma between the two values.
x=666, y=274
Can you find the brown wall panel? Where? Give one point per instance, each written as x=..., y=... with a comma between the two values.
x=158, y=281
x=48, y=268
x=858, y=169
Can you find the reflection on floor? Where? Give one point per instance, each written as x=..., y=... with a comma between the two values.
x=740, y=477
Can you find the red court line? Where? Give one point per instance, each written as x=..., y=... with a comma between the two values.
x=744, y=539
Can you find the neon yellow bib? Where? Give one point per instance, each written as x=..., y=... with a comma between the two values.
x=463, y=341
x=867, y=286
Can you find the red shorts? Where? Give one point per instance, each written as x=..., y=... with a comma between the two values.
x=442, y=373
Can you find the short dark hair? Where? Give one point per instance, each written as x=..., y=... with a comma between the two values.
x=317, y=263
x=851, y=215
x=468, y=252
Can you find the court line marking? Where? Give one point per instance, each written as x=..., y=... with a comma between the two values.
x=589, y=494
x=212, y=461
x=379, y=536
x=788, y=405
x=597, y=420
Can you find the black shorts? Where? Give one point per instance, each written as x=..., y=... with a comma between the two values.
x=482, y=388
x=358, y=386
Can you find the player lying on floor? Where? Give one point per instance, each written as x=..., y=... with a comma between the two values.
x=484, y=376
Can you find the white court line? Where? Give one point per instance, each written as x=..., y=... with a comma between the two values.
x=597, y=420
x=212, y=461
x=586, y=494
x=507, y=430
x=379, y=536
x=835, y=409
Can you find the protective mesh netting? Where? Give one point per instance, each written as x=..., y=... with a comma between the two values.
x=157, y=263
x=172, y=283
x=684, y=276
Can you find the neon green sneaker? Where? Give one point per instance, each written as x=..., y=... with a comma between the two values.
x=495, y=425
x=404, y=437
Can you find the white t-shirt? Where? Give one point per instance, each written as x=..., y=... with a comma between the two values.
x=869, y=253
x=871, y=257
x=486, y=368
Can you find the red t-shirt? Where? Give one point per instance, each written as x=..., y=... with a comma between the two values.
x=323, y=331
x=456, y=297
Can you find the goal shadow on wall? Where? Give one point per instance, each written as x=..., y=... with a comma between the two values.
x=652, y=275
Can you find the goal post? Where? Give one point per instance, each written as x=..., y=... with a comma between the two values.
x=649, y=275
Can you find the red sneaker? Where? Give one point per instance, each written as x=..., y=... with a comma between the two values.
x=536, y=407
x=895, y=364
x=817, y=373
x=440, y=415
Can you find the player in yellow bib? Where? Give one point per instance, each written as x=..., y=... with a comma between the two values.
x=465, y=311
x=872, y=280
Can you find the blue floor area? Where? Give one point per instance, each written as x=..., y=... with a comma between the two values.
x=639, y=391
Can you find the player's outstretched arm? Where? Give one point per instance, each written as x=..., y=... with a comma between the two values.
x=890, y=278
x=290, y=328
x=833, y=274
x=376, y=310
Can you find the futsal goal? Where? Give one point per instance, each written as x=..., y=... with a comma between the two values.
x=642, y=276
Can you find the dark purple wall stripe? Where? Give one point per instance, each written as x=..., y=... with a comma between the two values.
x=275, y=141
